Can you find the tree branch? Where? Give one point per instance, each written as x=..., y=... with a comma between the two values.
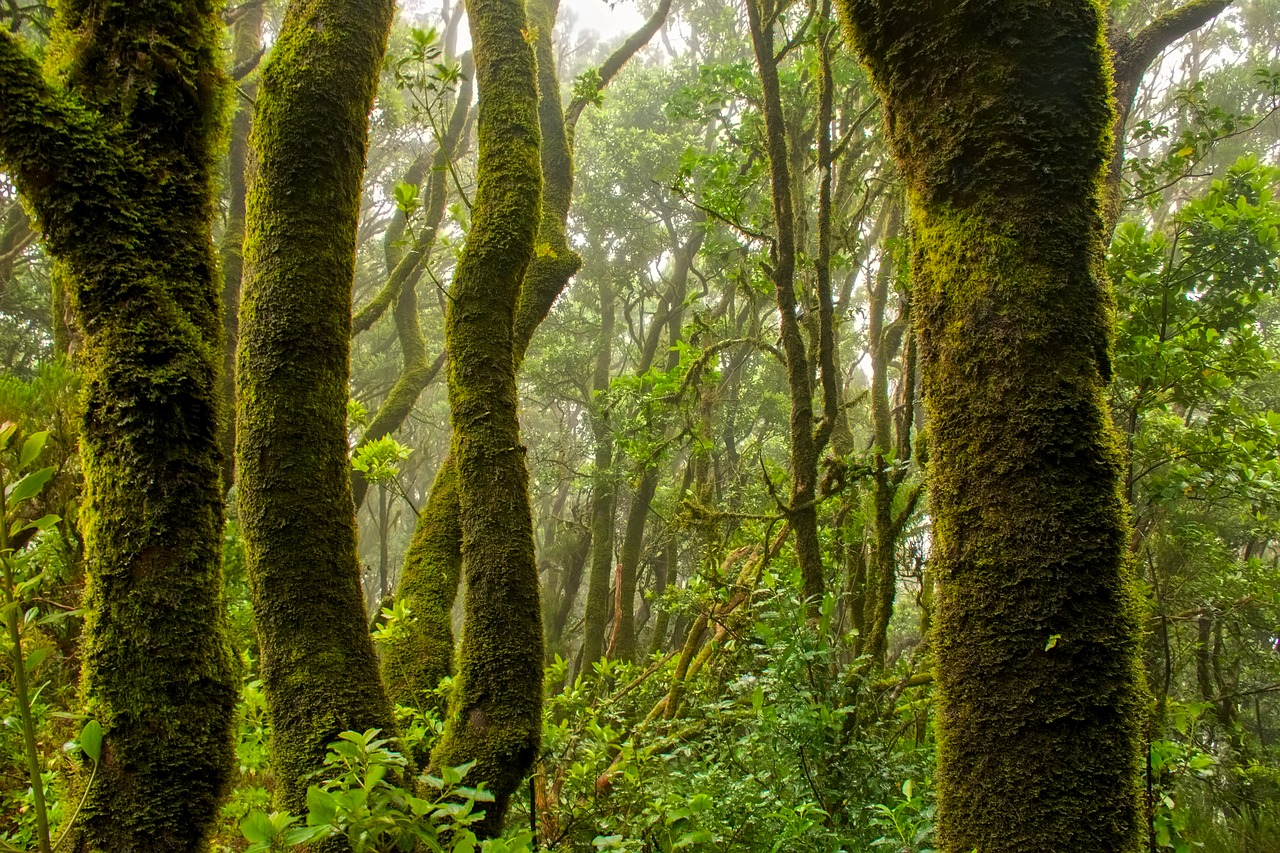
x=618, y=59
x=41, y=129
x=1134, y=53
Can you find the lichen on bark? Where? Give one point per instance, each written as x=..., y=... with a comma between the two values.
x=999, y=114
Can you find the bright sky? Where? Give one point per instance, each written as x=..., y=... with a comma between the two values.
x=596, y=15
x=609, y=19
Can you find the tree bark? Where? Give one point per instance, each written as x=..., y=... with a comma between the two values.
x=544, y=280
x=802, y=510
x=117, y=161
x=246, y=37
x=999, y=114
x=318, y=666
x=495, y=711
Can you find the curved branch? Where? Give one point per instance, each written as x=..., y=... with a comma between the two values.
x=1135, y=53
x=618, y=59
x=1132, y=56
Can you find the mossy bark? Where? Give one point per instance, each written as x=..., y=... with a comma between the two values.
x=544, y=279
x=999, y=114
x=116, y=161
x=414, y=664
x=309, y=134
x=495, y=711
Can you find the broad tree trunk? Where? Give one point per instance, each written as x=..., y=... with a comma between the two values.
x=999, y=115
x=319, y=670
x=116, y=162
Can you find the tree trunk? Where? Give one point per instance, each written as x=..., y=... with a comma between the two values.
x=415, y=662
x=495, y=712
x=802, y=510
x=118, y=170
x=319, y=670
x=999, y=115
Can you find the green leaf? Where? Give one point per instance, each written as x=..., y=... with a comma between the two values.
x=28, y=487
x=406, y=197
x=91, y=741
x=31, y=449
x=257, y=827
x=322, y=806
x=374, y=775
x=41, y=524
x=306, y=835
x=36, y=656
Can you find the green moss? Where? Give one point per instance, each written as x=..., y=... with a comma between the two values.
x=414, y=664
x=1000, y=115
x=319, y=671
x=551, y=268
x=495, y=714
x=117, y=165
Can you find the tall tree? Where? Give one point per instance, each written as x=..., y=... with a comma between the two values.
x=495, y=711
x=310, y=126
x=116, y=159
x=432, y=570
x=999, y=114
x=247, y=22
x=806, y=444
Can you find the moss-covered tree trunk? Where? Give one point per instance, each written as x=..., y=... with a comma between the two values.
x=495, y=711
x=116, y=160
x=319, y=671
x=420, y=656
x=999, y=114
x=546, y=277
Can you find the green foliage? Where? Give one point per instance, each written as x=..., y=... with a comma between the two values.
x=361, y=800
x=378, y=459
x=782, y=747
x=907, y=825
x=21, y=611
